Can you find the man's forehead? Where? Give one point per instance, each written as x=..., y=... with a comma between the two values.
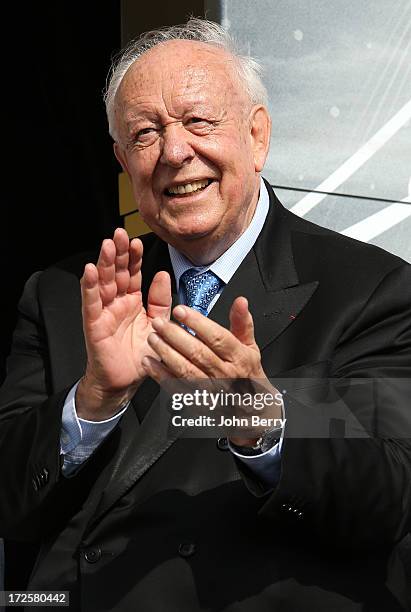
x=182, y=59
x=173, y=51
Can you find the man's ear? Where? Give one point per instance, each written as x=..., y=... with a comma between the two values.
x=121, y=157
x=260, y=132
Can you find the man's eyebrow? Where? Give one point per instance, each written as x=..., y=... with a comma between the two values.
x=141, y=116
x=139, y=112
x=133, y=122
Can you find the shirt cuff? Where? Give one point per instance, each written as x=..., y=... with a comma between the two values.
x=266, y=466
x=271, y=452
x=75, y=430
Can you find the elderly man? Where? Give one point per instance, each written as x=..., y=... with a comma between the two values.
x=131, y=513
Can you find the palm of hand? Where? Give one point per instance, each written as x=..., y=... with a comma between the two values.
x=116, y=324
x=119, y=340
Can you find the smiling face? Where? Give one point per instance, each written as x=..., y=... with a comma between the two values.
x=193, y=146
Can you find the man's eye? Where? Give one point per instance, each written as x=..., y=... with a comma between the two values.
x=145, y=133
x=199, y=120
x=199, y=125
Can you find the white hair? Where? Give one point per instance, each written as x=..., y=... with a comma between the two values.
x=201, y=30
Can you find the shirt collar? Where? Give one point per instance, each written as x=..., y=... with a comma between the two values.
x=226, y=265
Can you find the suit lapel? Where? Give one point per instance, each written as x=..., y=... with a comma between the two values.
x=273, y=310
x=141, y=446
x=268, y=278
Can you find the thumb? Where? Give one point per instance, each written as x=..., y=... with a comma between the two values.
x=241, y=322
x=159, y=296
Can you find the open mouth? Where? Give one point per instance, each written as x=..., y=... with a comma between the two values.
x=187, y=189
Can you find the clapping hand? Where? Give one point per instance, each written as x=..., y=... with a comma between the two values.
x=214, y=353
x=116, y=325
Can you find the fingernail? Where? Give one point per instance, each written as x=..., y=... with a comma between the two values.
x=179, y=312
x=145, y=362
x=152, y=338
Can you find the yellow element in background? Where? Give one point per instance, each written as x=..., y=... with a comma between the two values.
x=133, y=223
x=135, y=226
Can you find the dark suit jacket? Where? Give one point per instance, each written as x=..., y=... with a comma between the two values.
x=156, y=521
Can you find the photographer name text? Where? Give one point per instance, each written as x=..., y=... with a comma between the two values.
x=224, y=421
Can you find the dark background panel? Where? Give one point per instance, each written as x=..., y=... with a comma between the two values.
x=59, y=173
x=60, y=190
x=137, y=17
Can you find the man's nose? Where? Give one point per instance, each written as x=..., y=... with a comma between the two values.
x=176, y=147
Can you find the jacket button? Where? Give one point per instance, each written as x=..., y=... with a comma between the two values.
x=187, y=549
x=222, y=444
x=93, y=555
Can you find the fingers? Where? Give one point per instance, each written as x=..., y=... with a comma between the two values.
x=156, y=370
x=188, y=351
x=164, y=377
x=172, y=360
x=107, y=271
x=241, y=322
x=119, y=266
x=121, y=260
x=135, y=262
x=219, y=340
x=213, y=352
x=90, y=294
x=159, y=296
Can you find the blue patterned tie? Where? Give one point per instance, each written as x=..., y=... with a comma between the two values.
x=200, y=289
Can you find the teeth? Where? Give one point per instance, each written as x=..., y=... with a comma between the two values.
x=188, y=187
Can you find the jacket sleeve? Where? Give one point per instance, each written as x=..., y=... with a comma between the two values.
x=35, y=496
x=29, y=419
x=353, y=490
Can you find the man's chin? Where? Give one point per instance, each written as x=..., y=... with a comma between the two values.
x=188, y=232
